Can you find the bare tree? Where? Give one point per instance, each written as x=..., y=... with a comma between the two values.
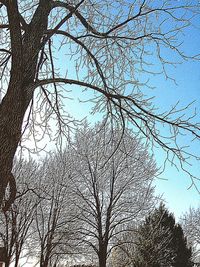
x=15, y=222
x=54, y=217
x=110, y=190
x=124, y=253
x=108, y=47
x=190, y=222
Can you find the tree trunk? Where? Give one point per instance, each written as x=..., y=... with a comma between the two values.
x=46, y=262
x=102, y=255
x=44, y=259
x=12, y=111
x=17, y=254
x=25, y=50
x=16, y=261
x=7, y=261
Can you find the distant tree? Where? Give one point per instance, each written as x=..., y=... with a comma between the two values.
x=183, y=253
x=123, y=254
x=190, y=222
x=159, y=242
x=54, y=216
x=15, y=223
x=111, y=184
x=153, y=243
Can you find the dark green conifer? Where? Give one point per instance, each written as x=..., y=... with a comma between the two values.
x=161, y=242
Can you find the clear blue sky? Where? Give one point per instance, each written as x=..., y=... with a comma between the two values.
x=187, y=75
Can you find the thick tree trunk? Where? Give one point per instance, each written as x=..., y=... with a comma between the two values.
x=102, y=255
x=46, y=260
x=25, y=50
x=12, y=112
x=46, y=263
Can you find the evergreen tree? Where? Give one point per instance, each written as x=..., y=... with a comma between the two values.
x=161, y=242
x=182, y=252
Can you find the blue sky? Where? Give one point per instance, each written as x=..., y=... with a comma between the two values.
x=175, y=184
x=175, y=188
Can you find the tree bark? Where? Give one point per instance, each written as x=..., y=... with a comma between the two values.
x=25, y=53
x=102, y=254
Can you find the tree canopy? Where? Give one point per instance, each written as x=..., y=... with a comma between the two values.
x=46, y=46
x=110, y=187
x=74, y=204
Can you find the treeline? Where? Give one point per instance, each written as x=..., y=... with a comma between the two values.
x=88, y=204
